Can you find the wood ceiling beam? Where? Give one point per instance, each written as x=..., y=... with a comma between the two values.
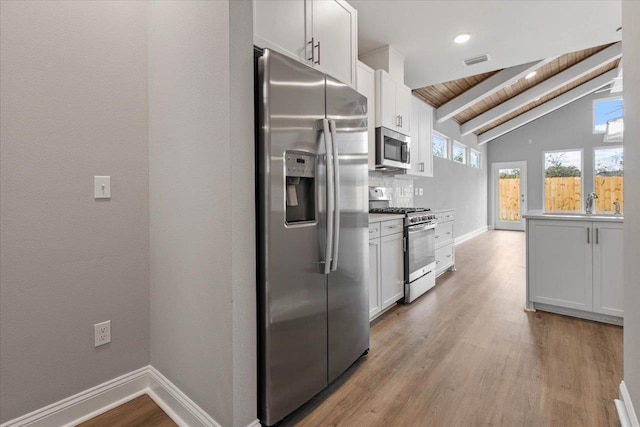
x=553, y=83
x=487, y=88
x=549, y=106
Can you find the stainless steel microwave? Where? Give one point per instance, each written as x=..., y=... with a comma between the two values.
x=392, y=149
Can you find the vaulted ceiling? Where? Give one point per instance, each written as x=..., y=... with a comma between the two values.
x=488, y=101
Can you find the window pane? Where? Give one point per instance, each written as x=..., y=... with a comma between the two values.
x=509, y=195
x=439, y=146
x=609, y=178
x=605, y=110
x=563, y=181
x=459, y=153
x=474, y=159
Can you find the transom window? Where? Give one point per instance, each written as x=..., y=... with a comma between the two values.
x=459, y=152
x=474, y=158
x=606, y=110
x=439, y=145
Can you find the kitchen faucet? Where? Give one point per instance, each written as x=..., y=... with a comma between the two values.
x=617, y=206
x=588, y=205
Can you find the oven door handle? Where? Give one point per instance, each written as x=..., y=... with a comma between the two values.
x=419, y=228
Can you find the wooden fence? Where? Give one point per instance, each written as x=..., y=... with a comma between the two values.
x=562, y=194
x=509, y=199
x=609, y=189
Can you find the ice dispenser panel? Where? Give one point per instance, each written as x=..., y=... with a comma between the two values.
x=300, y=188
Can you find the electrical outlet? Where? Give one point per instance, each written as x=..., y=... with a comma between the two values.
x=416, y=191
x=102, y=333
x=421, y=191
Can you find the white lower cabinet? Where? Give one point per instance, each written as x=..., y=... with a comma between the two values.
x=392, y=268
x=608, y=293
x=386, y=265
x=375, y=305
x=576, y=265
x=445, y=246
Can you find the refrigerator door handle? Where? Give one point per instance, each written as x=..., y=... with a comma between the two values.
x=330, y=196
x=336, y=194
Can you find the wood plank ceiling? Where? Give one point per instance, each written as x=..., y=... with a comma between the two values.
x=441, y=93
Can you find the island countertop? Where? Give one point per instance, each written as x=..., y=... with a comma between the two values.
x=573, y=216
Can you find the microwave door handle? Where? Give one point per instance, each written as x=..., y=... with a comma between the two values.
x=330, y=198
x=336, y=194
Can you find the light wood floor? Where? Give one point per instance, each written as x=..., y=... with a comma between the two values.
x=141, y=411
x=465, y=354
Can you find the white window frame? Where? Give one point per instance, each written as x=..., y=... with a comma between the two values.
x=447, y=143
x=544, y=172
x=471, y=150
x=464, y=156
x=593, y=112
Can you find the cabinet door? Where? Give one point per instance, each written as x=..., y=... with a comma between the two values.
x=560, y=263
x=366, y=85
x=392, y=269
x=375, y=305
x=608, y=294
x=281, y=25
x=386, y=101
x=426, y=129
x=334, y=25
x=421, y=155
x=403, y=108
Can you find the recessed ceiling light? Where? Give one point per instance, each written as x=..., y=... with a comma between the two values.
x=462, y=38
x=530, y=75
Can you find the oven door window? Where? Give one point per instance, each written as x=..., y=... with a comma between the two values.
x=422, y=247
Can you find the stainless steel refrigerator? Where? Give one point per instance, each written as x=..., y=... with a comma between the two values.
x=311, y=170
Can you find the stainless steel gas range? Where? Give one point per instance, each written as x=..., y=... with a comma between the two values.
x=419, y=243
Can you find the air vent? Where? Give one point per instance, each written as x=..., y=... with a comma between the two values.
x=476, y=60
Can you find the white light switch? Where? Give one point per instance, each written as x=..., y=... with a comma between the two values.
x=102, y=186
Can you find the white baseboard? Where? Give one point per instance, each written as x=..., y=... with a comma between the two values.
x=461, y=239
x=106, y=396
x=626, y=412
x=175, y=403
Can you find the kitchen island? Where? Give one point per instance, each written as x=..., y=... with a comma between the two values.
x=574, y=264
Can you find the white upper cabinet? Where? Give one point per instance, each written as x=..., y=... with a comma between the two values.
x=321, y=33
x=421, y=153
x=280, y=25
x=366, y=80
x=393, y=104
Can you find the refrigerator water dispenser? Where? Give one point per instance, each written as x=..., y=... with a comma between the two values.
x=300, y=188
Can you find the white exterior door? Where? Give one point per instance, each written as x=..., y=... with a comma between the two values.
x=509, y=183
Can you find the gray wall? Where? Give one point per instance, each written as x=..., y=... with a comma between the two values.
x=569, y=127
x=201, y=199
x=457, y=186
x=74, y=105
x=631, y=52
x=243, y=241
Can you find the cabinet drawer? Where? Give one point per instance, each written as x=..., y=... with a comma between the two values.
x=374, y=230
x=444, y=232
x=391, y=227
x=444, y=257
x=444, y=216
